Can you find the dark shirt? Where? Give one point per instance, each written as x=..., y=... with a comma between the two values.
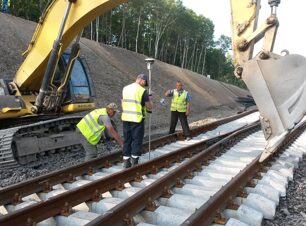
x=145, y=98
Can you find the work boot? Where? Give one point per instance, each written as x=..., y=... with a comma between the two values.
x=126, y=163
x=134, y=161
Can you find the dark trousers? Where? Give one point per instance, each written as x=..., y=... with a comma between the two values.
x=175, y=115
x=133, y=134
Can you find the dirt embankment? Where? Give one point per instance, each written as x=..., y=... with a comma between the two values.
x=112, y=68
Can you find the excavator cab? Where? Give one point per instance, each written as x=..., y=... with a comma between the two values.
x=80, y=87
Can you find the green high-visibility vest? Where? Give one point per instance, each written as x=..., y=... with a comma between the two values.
x=90, y=127
x=179, y=103
x=132, y=110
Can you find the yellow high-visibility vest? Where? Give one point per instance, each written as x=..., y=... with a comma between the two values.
x=90, y=127
x=132, y=110
x=179, y=103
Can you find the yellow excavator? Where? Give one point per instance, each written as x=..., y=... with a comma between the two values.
x=51, y=82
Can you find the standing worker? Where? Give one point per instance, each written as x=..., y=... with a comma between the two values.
x=96, y=124
x=135, y=103
x=180, y=108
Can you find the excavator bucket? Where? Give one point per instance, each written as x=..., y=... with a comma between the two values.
x=278, y=86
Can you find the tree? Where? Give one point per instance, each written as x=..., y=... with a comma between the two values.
x=30, y=11
x=164, y=14
x=224, y=43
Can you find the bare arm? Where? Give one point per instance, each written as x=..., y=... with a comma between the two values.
x=188, y=109
x=149, y=104
x=168, y=93
x=115, y=135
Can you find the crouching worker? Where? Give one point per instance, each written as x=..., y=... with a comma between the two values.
x=95, y=125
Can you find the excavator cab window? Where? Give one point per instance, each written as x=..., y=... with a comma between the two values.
x=80, y=90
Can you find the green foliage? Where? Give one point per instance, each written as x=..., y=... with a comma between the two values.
x=224, y=43
x=28, y=9
x=163, y=29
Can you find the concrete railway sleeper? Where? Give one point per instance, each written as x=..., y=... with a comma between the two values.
x=15, y=193
x=197, y=140
x=197, y=195
x=257, y=188
x=114, y=181
x=155, y=203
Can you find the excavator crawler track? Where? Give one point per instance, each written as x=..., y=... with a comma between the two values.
x=10, y=157
x=7, y=159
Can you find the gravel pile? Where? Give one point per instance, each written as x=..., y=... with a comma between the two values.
x=112, y=68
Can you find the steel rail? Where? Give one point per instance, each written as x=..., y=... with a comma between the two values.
x=63, y=203
x=14, y=193
x=205, y=214
x=124, y=212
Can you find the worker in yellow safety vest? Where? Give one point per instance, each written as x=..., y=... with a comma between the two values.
x=180, y=108
x=136, y=101
x=95, y=125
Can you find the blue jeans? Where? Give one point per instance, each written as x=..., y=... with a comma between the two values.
x=4, y=6
x=133, y=134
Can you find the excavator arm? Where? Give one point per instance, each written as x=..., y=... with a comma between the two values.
x=277, y=83
x=245, y=15
x=30, y=74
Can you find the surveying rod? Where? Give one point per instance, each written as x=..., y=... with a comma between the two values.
x=149, y=62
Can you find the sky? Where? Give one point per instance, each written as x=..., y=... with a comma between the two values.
x=291, y=14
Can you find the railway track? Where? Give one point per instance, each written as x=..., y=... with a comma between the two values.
x=59, y=135
x=165, y=190
x=215, y=128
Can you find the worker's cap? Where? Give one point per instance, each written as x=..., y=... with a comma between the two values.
x=113, y=106
x=143, y=77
